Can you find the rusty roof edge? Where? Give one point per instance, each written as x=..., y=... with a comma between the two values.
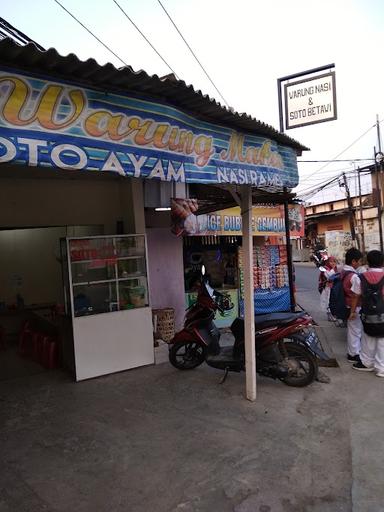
x=15, y=55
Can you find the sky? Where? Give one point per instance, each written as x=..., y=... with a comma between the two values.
x=245, y=46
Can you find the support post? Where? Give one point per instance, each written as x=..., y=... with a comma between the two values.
x=280, y=103
x=249, y=302
x=289, y=255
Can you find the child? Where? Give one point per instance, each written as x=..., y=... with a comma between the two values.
x=351, y=285
x=372, y=347
x=325, y=285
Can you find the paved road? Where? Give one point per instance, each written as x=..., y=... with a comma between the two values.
x=306, y=277
x=156, y=439
x=307, y=293
x=361, y=397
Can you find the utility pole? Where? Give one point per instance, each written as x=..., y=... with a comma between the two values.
x=378, y=165
x=361, y=230
x=378, y=133
x=350, y=210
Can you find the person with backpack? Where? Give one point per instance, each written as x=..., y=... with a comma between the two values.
x=351, y=289
x=372, y=315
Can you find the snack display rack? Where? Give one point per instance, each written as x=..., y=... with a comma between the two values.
x=270, y=278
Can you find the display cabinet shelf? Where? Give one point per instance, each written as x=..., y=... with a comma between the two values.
x=111, y=259
x=128, y=278
x=101, y=284
x=130, y=257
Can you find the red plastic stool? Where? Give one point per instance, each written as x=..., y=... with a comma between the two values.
x=2, y=338
x=43, y=345
x=37, y=346
x=26, y=340
x=52, y=354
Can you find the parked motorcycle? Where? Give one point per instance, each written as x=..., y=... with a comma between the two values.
x=285, y=350
x=319, y=258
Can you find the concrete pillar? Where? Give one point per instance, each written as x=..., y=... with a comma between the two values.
x=249, y=303
x=132, y=205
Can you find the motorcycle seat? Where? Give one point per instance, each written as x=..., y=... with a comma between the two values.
x=265, y=321
x=275, y=319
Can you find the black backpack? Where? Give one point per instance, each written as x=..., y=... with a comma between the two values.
x=372, y=307
x=337, y=305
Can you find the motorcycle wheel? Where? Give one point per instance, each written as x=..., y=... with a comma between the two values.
x=301, y=364
x=186, y=355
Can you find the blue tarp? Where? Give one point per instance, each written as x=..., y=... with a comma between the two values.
x=267, y=301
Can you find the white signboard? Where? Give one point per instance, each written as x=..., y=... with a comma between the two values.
x=310, y=101
x=338, y=243
x=372, y=241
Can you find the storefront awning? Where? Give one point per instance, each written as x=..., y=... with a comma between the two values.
x=221, y=197
x=60, y=112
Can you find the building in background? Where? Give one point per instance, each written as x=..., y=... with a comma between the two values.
x=338, y=219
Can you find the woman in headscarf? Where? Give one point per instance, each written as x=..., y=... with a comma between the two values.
x=328, y=269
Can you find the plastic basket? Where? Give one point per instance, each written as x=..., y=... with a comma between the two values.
x=164, y=324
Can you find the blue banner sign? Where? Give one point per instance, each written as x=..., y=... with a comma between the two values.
x=61, y=125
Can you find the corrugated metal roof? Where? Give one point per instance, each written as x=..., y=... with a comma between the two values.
x=125, y=80
x=8, y=30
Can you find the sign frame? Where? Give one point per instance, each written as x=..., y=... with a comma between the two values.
x=267, y=220
x=308, y=79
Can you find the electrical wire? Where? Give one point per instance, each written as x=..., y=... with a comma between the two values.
x=91, y=33
x=325, y=184
x=316, y=182
x=311, y=181
x=318, y=188
x=326, y=180
x=334, y=160
x=315, y=198
x=145, y=38
x=325, y=176
x=192, y=52
x=339, y=154
x=331, y=184
x=346, y=171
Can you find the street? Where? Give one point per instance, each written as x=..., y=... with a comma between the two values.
x=306, y=279
x=157, y=439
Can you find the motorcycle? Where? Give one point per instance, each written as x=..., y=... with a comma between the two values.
x=319, y=257
x=284, y=348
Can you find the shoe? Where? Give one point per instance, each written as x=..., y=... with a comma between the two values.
x=379, y=374
x=353, y=359
x=362, y=368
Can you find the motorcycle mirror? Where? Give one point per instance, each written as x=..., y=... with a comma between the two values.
x=203, y=270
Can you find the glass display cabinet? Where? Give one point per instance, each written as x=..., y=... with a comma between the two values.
x=107, y=296
x=107, y=274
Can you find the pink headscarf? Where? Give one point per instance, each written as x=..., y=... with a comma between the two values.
x=331, y=262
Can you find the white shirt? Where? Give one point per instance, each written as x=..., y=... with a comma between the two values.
x=329, y=273
x=355, y=280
